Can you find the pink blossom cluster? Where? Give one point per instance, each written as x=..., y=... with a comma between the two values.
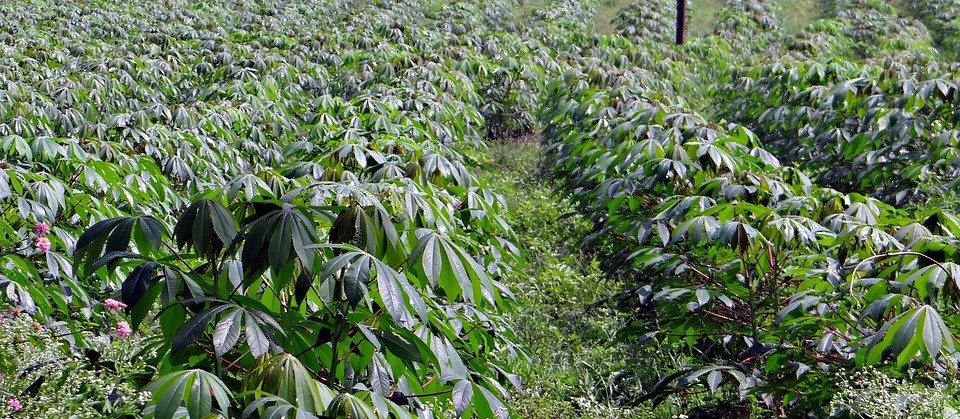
x=41, y=229
x=123, y=329
x=42, y=243
x=112, y=304
x=14, y=405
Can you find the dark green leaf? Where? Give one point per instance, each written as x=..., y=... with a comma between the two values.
x=193, y=328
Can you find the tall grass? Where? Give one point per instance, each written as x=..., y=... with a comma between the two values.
x=607, y=11
x=794, y=15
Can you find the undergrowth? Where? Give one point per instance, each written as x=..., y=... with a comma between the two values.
x=574, y=365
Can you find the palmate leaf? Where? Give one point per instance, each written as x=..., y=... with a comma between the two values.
x=173, y=280
x=194, y=389
x=249, y=185
x=284, y=376
x=346, y=405
x=370, y=229
x=23, y=294
x=711, y=375
x=275, y=238
x=207, y=227
x=449, y=361
x=234, y=320
x=353, y=226
x=395, y=292
x=399, y=344
x=404, y=345
x=929, y=279
x=916, y=330
x=448, y=266
x=697, y=229
x=194, y=328
x=386, y=408
x=272, y=407
x=490, y=406
x=256, y=338
x=380, y=375
x=111, y=237
x=714, y=378
x=137, y=283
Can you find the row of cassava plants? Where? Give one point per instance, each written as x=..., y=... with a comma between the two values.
x=883, y=128
x=887, y=130
x=645, y=22
x=774, y=285
x=943, y=19
x=875, y=29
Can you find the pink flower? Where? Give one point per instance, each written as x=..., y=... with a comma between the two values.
x=112, y=304
x=14, y=405
x=42, y=244
x=123, y=329
x=41, y=229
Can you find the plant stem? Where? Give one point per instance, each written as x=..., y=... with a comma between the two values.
x=338, y=329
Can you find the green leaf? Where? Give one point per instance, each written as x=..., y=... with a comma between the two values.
x=462, y=395
x=196, y=389
x=346, y=405
x=935, y=333
x=256, y=339
x=905, y=333
x=713, y=380
x=399, y=346
x=90, y=244
x=281, y=243
x=200, y=400
x=112, y=238
x=139, y=311
x=274, y=237
x=227, y=332
x=194, y=327
x=137, y=284
x=153, y=231
x=391, y=294
x=703, y=296
x=283, y=375
x=493, y=408
x=169, y=397
x=110, y=259
x=429, y=255
x=119, y=239
x=355, y=280
x=207, y=227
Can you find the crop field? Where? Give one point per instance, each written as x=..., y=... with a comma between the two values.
x=479, y=209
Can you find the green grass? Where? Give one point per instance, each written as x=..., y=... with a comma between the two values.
x=524, y=8
x=703, y=14
x=797, y=14
x=607, y=11
x=794, y=15
x=568, y=347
